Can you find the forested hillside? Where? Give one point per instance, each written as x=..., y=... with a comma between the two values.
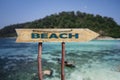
x=105, y=26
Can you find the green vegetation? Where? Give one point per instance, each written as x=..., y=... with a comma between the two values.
x=105, y=26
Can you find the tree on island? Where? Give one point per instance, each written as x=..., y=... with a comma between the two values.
x=105, y=26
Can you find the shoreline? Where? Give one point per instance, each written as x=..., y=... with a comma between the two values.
x=98, y=38
x=107, y=38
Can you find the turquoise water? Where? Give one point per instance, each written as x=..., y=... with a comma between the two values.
x=94, y=60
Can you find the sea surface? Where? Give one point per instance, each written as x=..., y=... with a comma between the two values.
x=94, y=60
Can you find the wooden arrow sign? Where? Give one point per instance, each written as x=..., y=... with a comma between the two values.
x=55, y=35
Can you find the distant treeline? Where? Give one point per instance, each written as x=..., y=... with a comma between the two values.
x=105, y=26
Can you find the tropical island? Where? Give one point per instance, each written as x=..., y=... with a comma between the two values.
x=105, y=26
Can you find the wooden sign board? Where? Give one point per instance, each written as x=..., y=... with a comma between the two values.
x=55, y=35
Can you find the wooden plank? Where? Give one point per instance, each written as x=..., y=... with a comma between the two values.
x=55, y=35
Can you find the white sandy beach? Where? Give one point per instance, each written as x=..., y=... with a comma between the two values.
x=106, y=38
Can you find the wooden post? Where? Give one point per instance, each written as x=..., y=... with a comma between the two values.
x=40, y=61
x=62, y=61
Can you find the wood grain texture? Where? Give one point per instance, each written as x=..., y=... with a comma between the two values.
x=24, y=35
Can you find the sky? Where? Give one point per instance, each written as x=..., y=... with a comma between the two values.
x=20, y=11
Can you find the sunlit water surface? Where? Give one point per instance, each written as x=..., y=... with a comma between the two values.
x=94, y=60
